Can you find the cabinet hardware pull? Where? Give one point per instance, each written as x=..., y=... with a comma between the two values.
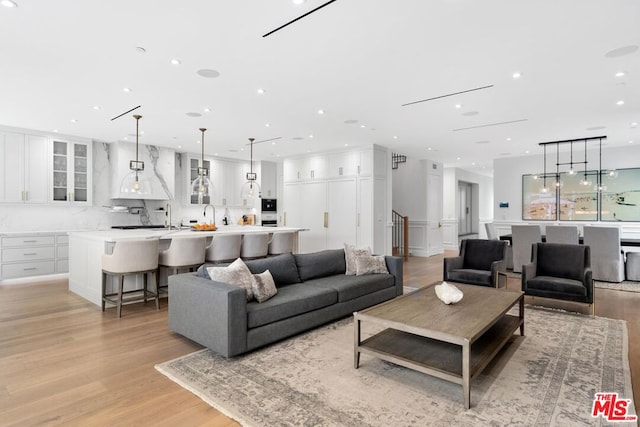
x=298, y=174
x=358, y=169
x=31, y=253
x=30, y=268
x=312, y=174
x=340, y=170
x=29, y=241
x=358, y=220
x=326, y=220
x=26, y=195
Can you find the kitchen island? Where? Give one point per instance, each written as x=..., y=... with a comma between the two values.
x=87, y=247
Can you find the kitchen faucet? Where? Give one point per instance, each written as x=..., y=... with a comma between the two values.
x=168, y=214
x=213, y=220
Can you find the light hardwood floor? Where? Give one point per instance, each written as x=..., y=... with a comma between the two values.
x=64, y=362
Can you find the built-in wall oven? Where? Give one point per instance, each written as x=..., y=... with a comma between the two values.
x=269, y=213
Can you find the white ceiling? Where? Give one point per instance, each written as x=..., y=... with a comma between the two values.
x=355, y=59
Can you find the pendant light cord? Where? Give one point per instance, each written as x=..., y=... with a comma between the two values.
x=137, y=117
x=202, y=156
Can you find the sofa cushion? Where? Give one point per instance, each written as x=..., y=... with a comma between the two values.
x=263, y=286
x=350, y=255
x=472, y=277
x=236, y=274
x=283, y=268
x=369, y=264
x=290, y=301
x=351, y=287
x=557, y=285
x=320, y=264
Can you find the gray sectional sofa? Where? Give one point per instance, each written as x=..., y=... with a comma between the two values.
x=312, y=290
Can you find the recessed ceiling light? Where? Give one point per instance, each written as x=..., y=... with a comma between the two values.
x=346, y=145
x=429, y=148
x=363, y=126
x=74, y=121
x=508, y=139
x=526, y=152
x=273, y=143
x=207, y=73
x=458, y=158
x=310, y=135
x=621, y=102
x=97, y=107
x=207, y=109
x=176, y=61
x=8, y=3
x=179, y=146
x=473, y=163
x=140, y=49
x=630, y=141
x=458, y=105
x=55, y=130
x=193, y=114
x=395, y=136
x=141, y=132
x=242, y=149
x=321, y=111
x=308, y=151
x=516, y=75
x=267, y=125
x=215, y=154
x=198, y=141
x=620, y=74
x=126, y=89
x=261, y=91
x=634, y=124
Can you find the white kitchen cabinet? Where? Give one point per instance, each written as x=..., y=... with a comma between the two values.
x=33, y=254
x=291, y=212
x=159, y=167
x=312, y=214
x=71, y=168
x=341, y=223
x=365, y=212
x=344, y=164
x=268, y=180
x=23, y=160
x=306, y=168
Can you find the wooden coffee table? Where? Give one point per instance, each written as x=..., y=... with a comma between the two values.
x=453, y=342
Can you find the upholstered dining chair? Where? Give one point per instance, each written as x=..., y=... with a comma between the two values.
x=607, y=257
x=183, y=252
x=522, y=237
x=562, y=234
x=559, y=271
x=491, y=231
x=130, y=257
x=481, y=262
x=224, y=248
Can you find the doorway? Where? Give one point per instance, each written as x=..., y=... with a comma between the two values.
x=465, y=209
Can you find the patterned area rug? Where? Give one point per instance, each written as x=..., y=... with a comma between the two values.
x=547, y=378
x=624, y=286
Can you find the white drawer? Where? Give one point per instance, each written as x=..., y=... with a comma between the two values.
x=25, y=269
x=62, y=266
x=62, y=239
x=28, y=254
x=62, y=251
x=27, y=241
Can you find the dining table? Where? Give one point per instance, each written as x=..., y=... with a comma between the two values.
x=624, y=241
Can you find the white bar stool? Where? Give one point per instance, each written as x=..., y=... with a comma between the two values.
x=183, y=252
x=130, y=257
x=224, y=248
x=281, y=243
x=254, y=246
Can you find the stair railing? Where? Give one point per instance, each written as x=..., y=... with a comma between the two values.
x=400, y=235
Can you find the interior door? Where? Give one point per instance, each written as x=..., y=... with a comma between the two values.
x=464, y=210
x=434, y=214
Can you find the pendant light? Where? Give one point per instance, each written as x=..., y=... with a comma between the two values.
x=202, y=187
x=136, y=182
x=250, y=189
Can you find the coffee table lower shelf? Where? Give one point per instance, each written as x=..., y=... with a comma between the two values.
x=439, y=358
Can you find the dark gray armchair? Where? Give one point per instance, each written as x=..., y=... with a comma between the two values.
x=481, y=262
x=559, y=271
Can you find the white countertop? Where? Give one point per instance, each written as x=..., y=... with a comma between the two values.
x=115, y=234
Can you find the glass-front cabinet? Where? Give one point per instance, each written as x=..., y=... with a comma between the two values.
x=71, y=169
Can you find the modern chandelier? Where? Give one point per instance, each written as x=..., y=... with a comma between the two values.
x=250, y=189
x=587, y=175
x=202, y=187
x=136, y=182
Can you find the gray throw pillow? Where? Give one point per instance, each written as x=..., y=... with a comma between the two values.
x=350, y=254
x=237, y=273
x=371, y=265
x=263, y=286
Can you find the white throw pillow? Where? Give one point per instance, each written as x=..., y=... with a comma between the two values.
x=350, y=254
x=263, y=286
x=237, y=274
x=370, y=265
